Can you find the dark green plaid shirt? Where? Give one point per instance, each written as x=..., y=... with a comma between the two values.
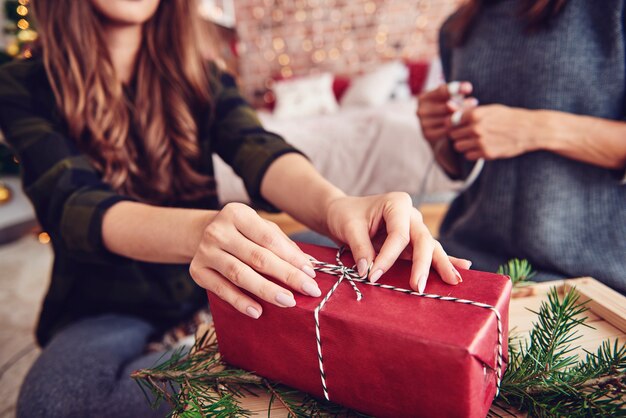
x=70, y=199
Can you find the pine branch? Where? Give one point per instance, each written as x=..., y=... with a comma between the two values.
x=520, y=271
x=617, y=380
x=546, y=379
x=197, y=383
x=201, y=375
x=275, y=394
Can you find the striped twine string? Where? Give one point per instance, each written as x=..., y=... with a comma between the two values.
x=352, y=276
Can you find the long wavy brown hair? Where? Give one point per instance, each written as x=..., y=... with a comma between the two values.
x=536, y=14
x=145, y=143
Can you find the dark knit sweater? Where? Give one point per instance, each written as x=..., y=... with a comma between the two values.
x=71, y=198
x=568, y=218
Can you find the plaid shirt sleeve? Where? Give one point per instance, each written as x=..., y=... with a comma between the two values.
x=68, y=194
x=239, y=138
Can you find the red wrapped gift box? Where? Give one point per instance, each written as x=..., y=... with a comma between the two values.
x=390, y=354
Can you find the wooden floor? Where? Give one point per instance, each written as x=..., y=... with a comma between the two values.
x=24, y=272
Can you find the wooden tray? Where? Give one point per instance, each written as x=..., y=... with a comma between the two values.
x=607, y=316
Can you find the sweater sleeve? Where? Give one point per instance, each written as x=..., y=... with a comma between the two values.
x=241, y=141
x=68, y=194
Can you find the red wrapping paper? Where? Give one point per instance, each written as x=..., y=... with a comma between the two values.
x=388, y=355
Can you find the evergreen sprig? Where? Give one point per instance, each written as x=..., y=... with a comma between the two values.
x=547, y=379
x=196, y=383
x=520, y=271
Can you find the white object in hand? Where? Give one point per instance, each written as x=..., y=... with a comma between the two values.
x=453, y=88
x=455, y=119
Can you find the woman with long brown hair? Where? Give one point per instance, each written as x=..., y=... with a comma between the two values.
x=544, y=83
x=114, y=123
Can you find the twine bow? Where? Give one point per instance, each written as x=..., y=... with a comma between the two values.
x=352, y=276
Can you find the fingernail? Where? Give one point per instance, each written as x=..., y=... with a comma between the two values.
x=309, y=271
x=458, y=275
x=285, y=300
x=253, y=312
x=311, y=289
x=361, y=266
x=453, y=105
x=454, y=87
x=376, y=275
x=473, y=101
x=421, y=283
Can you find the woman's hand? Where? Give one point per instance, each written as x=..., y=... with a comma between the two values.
x=437, y=106
x=390, y=223
x=236, y=246
x=494, y=132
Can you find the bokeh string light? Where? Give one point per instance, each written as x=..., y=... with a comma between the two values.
x=339, y=36
x=24, y=33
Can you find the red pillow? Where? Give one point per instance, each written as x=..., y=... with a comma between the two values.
x=340, y=85
x=418, y=70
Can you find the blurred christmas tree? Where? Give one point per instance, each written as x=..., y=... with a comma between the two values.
x=19, y=29
x=20, y=33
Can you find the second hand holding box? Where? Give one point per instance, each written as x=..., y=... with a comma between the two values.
x=389, y=354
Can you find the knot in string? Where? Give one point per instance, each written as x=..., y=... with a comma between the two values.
x=343, y=272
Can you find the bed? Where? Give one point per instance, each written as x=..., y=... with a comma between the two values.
x=362, y=150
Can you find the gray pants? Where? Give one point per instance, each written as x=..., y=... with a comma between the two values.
x=85, y=372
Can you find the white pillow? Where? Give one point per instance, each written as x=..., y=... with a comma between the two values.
x=375, y=88
x=305, y=96
x=402, y=91
x=435, y=77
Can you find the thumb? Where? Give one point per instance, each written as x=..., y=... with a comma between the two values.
x=440, y=94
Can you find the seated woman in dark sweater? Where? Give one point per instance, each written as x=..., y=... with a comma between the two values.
x=115, y=125
x=550, y=77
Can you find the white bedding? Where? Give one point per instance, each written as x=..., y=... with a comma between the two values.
x=363, y=151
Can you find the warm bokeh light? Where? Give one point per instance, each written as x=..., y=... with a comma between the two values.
x=23, y=24
x=5, y=194
x=286, y=72
x=13, y=49
x=43, y=238
x=27, y=35
x=300, y=16
x=277, y=15
x=334, y=54
x=283, y=59
x=278, y=44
